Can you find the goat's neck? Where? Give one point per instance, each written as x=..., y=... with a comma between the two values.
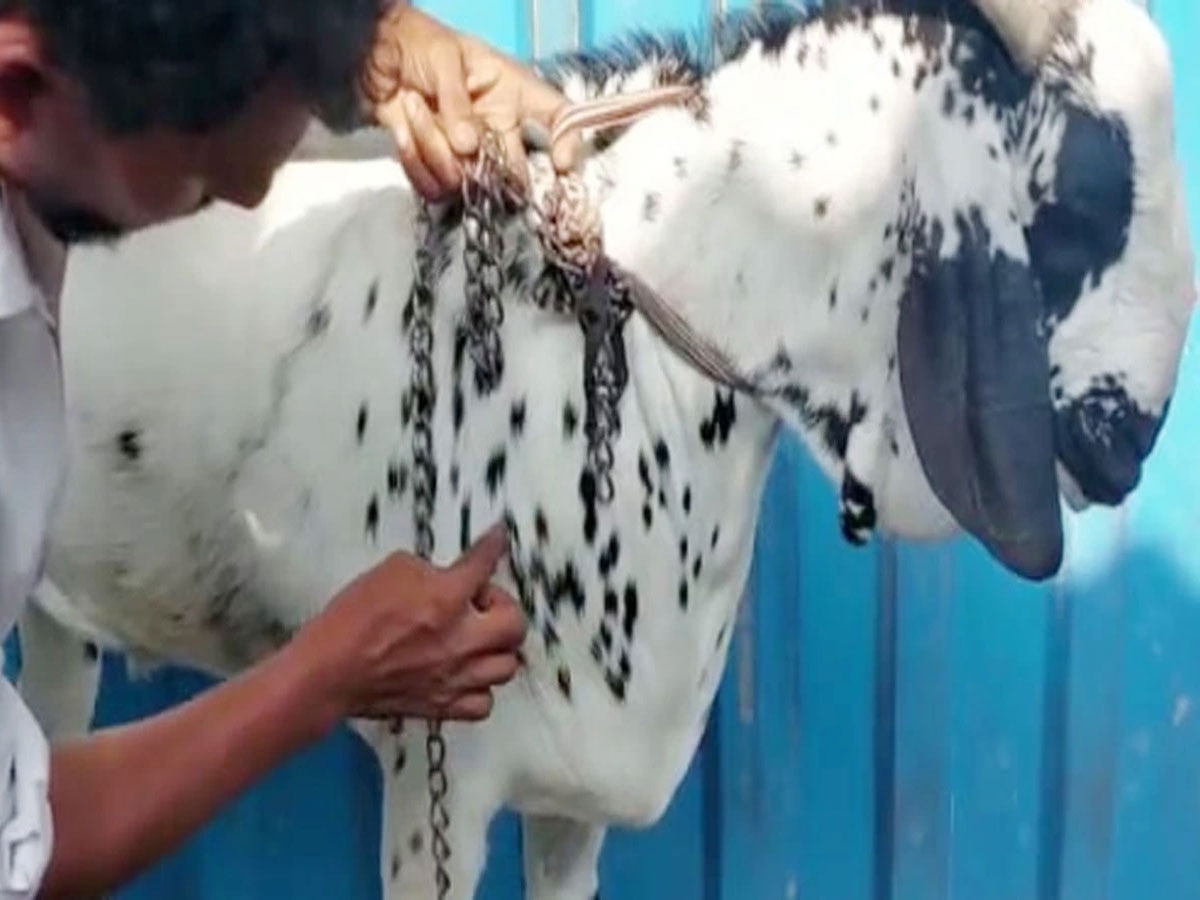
x=776, y=233
x=731, y=217
x=685, y=214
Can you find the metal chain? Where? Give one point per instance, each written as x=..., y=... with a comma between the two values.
x=439, y=816
x=424, y=475
x=579, y=279
x=483, y=258
x=422, y=398
x=602, y=309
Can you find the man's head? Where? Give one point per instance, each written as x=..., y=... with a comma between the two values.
x=118, y=115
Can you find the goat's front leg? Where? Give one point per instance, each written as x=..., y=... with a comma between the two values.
x=562, y=858
x=407, y=844
x=60, y=670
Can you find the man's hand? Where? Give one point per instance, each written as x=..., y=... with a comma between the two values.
x=404, y=639
x=434, y=87
x=411, y=639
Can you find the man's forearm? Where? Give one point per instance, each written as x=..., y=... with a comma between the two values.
x=126, y=797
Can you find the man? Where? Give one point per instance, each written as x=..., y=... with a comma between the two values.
x=114, y=116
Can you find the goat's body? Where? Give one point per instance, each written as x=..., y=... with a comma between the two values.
x=231, y=534
x=239, y=395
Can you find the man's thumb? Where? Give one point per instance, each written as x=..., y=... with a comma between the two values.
x=564, y=155
x=473, y=569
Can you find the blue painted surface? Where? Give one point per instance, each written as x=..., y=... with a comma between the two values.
x=1034, y=742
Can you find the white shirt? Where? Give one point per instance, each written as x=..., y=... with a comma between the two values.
x=32, y=460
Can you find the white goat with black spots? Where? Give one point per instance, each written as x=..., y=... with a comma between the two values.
x=964, y=284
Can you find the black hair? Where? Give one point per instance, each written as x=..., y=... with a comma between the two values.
x=191, y=65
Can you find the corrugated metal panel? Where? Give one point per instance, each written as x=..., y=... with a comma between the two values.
x=902, y=723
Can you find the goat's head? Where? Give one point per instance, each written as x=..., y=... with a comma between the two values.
x=965, y=282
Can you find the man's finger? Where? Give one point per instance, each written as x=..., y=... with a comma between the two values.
x=471, y=707
x=565, y=153
x=541, y=101
x=453, y=101
x=515, y=153
x=471, y=571
x=544, y=104
x=487, y=672
x=490, y=596
x=500, y=628
x=432, y=144
x=394, y=117
x=482, y=77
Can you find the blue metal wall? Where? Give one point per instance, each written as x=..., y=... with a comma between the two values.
x=894, y=723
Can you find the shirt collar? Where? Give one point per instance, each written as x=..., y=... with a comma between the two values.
x=19, y=290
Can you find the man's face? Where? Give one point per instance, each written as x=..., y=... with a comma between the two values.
x=89, y=186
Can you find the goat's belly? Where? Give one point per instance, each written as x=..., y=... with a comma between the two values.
x=592, y=757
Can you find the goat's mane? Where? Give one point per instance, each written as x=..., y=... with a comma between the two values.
x=689, y=56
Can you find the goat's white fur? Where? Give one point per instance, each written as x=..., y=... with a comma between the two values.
x=191, y=331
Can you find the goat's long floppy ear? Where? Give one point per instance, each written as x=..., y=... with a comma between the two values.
x=974, y=374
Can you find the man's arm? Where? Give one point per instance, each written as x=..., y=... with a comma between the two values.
x=405, y=639
x=127, y=797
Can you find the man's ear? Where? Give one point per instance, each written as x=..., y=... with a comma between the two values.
x=23, y=76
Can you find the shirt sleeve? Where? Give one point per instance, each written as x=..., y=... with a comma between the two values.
x=26, y=831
